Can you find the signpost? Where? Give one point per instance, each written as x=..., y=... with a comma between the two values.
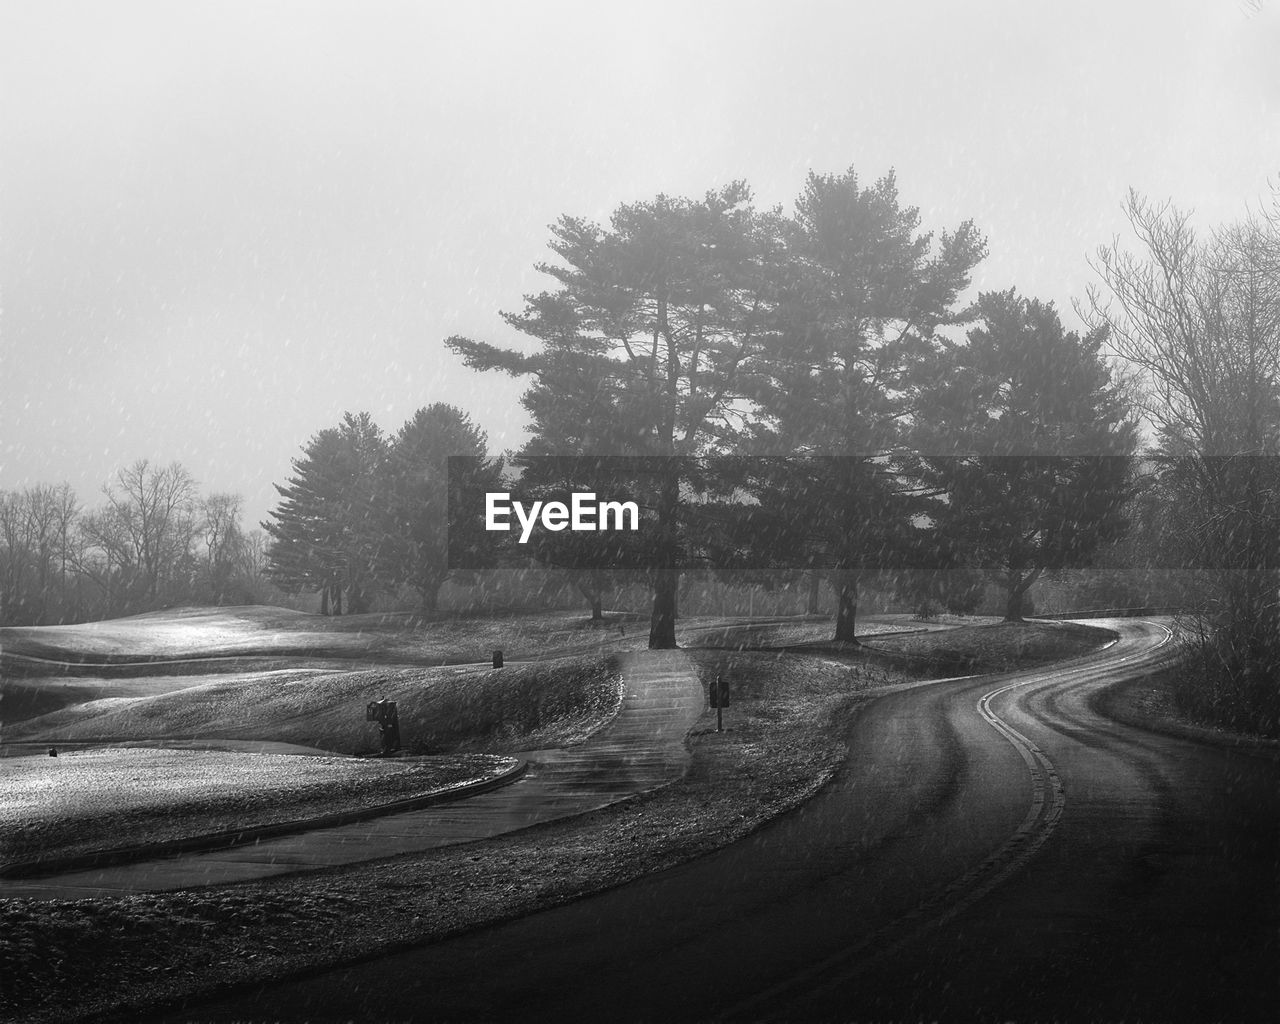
x=720, y=699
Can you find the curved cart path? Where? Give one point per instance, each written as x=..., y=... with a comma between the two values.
x=641, y=749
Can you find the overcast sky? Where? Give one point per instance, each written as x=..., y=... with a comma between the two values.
x=223, y=224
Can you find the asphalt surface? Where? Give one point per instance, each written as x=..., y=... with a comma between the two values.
x=994, y=850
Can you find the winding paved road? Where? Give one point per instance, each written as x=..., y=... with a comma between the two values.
x=994, y=849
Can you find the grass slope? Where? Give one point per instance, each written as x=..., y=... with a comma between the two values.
x=67, y=805
x=1001, y=647
x=107, y=799
x=260, y=631
x=442, y=710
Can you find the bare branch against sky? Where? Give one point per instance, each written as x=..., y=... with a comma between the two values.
x=223, y=224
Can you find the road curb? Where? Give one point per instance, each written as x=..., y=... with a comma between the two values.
x=242, y=837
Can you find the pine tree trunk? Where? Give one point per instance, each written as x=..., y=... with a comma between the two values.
x=1018, y=585
x=356, y=601
x=324, y=600
x=1013, y=606
x=845, y=585
x=666, y=582
x=430, y=592
x=662, y=623
x=586, y=582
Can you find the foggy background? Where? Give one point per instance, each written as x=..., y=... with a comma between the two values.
x=222, y=225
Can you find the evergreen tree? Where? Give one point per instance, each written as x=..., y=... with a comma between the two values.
x=866, y=295
x=644, y=344
x=419, y=486
x=1035, y=439
x=331, y=530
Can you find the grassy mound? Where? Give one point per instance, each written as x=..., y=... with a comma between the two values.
x=997, y=648
x=777, y=634
x=266, y=632
x=812, y=634
x=27, y=697
x=93, y=800
x=780, y=675
x=465, y=708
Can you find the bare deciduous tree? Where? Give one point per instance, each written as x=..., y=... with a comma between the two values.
x=220, y=530
x=35, y=531
x=1199, y=320
x=146, y=530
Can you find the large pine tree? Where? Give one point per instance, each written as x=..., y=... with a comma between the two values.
x=867, y=292
x=645, y=339
x=1034, y=439
x=419, y=484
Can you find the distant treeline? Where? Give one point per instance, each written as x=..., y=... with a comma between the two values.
x=154, y=542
